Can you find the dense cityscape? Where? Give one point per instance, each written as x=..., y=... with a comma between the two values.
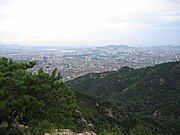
x=74, y=62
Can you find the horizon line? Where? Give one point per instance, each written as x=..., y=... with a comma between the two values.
x=88, y=46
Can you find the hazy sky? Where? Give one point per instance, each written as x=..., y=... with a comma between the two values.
x=90, y=22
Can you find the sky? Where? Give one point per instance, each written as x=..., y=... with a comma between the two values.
x=90, y=22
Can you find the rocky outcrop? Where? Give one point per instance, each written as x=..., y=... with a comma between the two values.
x=69, y=132
x=156, y=113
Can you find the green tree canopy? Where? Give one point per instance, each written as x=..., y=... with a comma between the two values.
x=27, y=98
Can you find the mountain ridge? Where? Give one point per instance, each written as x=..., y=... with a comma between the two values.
x=152, y=87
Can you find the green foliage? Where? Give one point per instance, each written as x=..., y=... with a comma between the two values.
x=96, y=112
x=105, y=132
x=143, y=130
x=12, y=131
x=44, y=103
x=40, y=97
x=39, y=127
x=140, y=91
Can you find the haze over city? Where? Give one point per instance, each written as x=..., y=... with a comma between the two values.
x=90, y=22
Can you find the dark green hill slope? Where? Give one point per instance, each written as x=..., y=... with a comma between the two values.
x=42, y=102
x=106, y=119
x=141, y=91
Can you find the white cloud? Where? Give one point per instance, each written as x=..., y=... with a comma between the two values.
x=82, y=21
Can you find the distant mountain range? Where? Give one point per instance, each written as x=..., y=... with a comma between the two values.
x=140, y=47
x=116, y=46
x=108, y=46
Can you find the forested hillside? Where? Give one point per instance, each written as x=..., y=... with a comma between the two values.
x=38, y=103
x=140, y=91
